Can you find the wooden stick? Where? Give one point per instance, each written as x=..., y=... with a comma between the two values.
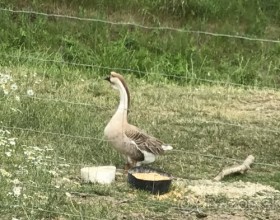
x=236, y=169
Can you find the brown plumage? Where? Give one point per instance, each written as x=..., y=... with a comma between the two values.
x=145, y=141
x=135, y=145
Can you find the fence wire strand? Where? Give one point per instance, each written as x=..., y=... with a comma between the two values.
x=145, y=73
x=193, y=120
x=181, y=151
x=140, y=25
x=51, y=133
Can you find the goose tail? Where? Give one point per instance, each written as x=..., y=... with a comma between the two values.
x=166, y=147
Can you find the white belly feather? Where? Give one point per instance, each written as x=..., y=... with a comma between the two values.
x=148, y=157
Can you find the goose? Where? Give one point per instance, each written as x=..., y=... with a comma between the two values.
x=136, y=146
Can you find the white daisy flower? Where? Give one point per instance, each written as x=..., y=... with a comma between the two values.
x=30, y=92
x=4, y=173
x=17, y=98
x=17, y=191
x=6, y=92
x=12, y=141
x=16, y=181
x=3, y=80
x=7, y=77
x=14, y=87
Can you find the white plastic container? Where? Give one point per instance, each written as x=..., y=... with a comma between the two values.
x=101, y=174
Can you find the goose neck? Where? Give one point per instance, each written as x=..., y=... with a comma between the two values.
x=124, y=99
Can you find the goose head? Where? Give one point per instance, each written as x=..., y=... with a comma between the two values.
x=117, y=81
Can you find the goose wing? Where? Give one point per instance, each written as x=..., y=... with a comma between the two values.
x=144, y=141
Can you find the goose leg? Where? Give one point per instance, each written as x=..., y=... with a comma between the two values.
x=130, y=164
x=127, y=166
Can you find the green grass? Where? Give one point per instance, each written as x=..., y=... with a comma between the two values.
x=155, y=52
x=196, y=120
x=59, y=129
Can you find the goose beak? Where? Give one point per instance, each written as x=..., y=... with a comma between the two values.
x=107, y=78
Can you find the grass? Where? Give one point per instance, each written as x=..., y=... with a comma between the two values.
x=184, y=56
x=48, y=136
x=196, y=120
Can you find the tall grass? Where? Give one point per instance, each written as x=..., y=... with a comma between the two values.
x=152, y=51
